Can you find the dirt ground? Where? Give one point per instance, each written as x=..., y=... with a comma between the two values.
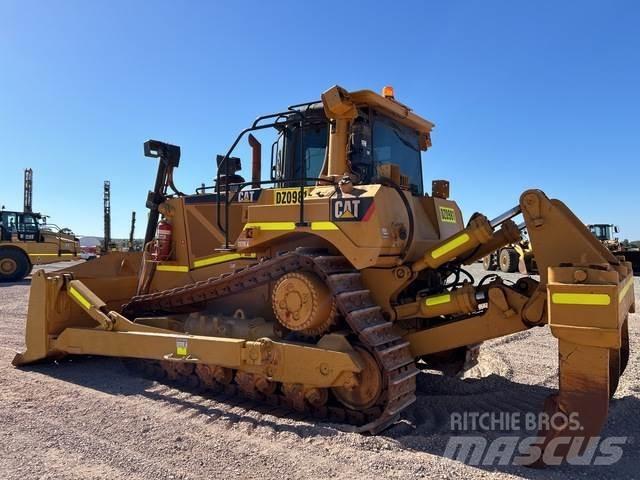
x=90, y=418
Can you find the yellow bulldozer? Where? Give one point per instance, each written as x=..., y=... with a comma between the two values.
x=27, y=240
x=605, y=233
x=519, y=257
x=327, y=287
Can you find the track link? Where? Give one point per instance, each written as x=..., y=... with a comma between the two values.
x=355, y=304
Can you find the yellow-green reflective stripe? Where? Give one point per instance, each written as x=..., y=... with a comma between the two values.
x=203, y=262
x=324, y=226
x=79, y=298
x=172, y=268
x=450, y=245
x=285, y=226
x=581, y=298
x=437, y=300
x=271, y=225
x=624, y=290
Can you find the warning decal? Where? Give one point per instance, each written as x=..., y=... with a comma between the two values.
x=448, y=215
x=181, y=347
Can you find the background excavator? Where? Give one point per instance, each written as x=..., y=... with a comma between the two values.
x=327, y=287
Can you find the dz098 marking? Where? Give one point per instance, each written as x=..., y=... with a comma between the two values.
x=289, y=196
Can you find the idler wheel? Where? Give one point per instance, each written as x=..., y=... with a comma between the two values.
x=303, y=303
x=367, y=388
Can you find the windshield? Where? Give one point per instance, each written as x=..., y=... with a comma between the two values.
x=393, y=143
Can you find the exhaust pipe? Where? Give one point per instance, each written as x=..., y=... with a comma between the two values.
x=256, y=161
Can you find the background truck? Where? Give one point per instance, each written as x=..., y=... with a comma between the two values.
x=26, y=240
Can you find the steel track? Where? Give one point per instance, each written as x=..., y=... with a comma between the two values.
x=356, y=306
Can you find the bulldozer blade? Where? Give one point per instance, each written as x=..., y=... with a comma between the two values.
x=113, y=277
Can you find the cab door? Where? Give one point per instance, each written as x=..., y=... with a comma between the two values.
x=27, y=228
x=8, y=225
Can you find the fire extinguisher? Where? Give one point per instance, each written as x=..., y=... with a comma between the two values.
x=162, y=243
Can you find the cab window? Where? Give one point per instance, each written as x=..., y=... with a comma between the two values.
x=601, y=232
x=28, y=224
x=10, y=221
x=394, y=143
x=311, y=153
x=6, y=221
x=315, y=148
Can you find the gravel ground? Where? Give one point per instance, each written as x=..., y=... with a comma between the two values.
x=89, y=418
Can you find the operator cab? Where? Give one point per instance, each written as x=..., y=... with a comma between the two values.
x=370, y=138
x=603, y=232
x=375, y=141
x=25, y=226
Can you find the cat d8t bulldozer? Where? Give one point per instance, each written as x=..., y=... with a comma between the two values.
x=327, y=287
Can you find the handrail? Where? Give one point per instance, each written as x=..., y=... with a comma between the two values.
x=239, y=186
x=328, y=181
x=290, y=117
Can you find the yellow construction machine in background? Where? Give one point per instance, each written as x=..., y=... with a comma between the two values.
x=515, y=257
x=25, y=241
x=606, y=233
x=519, y=257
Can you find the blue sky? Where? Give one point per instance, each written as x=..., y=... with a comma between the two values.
x=539, y=94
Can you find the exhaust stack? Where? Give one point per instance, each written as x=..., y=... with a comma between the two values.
x=256, y=161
